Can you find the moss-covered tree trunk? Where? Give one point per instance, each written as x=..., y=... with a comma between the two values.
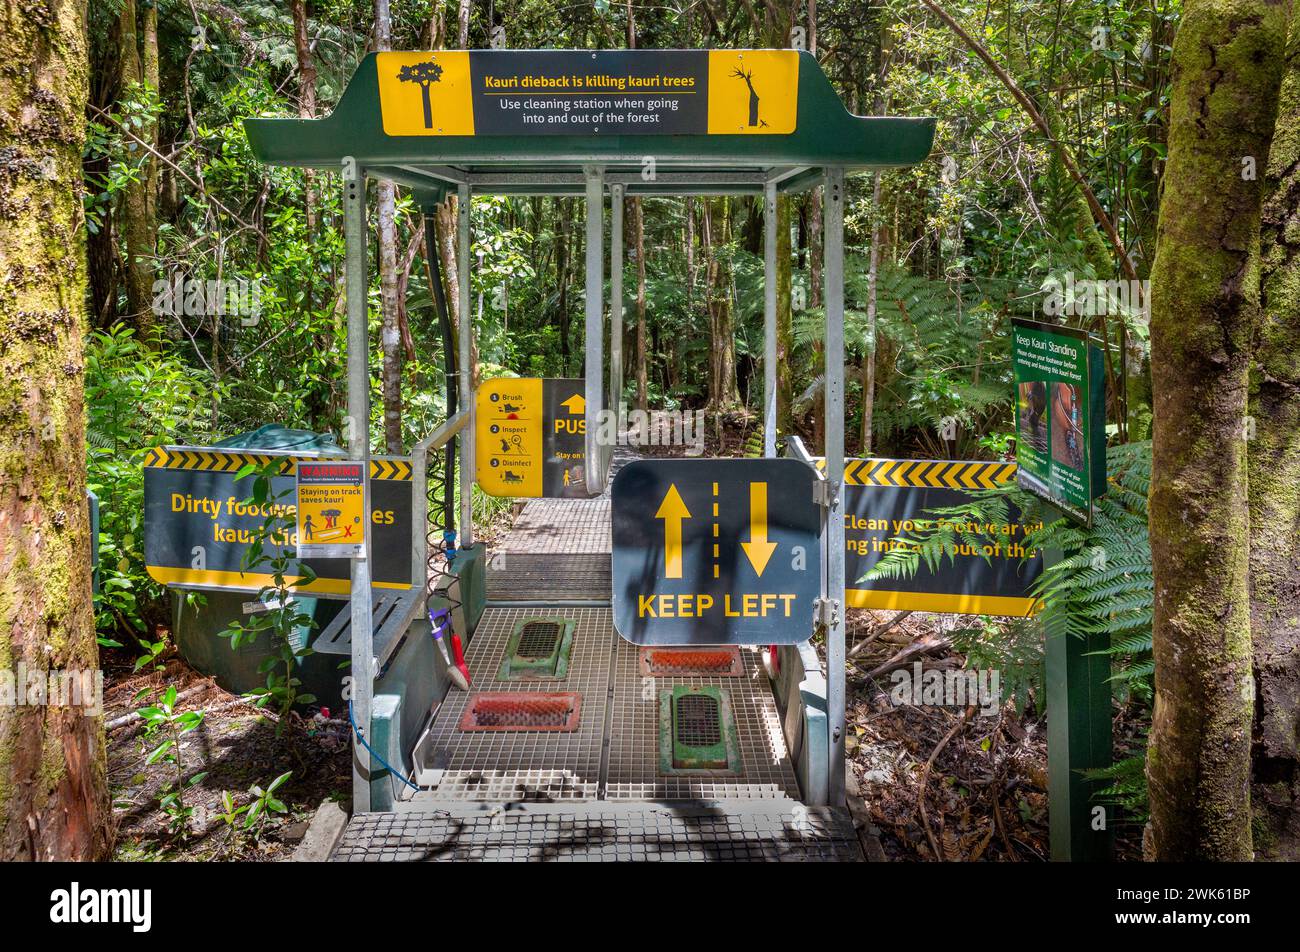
x=1205, y=304
x=1273, y=454
x=53, y=791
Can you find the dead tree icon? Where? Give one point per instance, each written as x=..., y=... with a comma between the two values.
x=753, y=96
x=426, y=74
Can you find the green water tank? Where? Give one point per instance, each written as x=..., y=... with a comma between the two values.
x=198, y=618
x=197, y=623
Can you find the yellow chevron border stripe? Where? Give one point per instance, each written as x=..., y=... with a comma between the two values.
x=232, y=461
x=925, y=474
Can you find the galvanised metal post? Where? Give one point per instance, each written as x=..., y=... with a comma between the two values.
x=595, y=324
x=616, y=297
x=833, y=614
x=465, y=334
x=769, y=319
x=357, y=436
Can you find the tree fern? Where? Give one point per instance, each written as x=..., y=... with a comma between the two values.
x=1102, y=585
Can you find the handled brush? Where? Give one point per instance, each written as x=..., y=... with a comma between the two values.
x=456, y=668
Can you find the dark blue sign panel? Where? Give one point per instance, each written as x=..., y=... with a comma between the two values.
x=197, y=525
x=718, y=551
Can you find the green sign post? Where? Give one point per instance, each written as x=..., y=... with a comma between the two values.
x=1061, y=449
x=1060, y=416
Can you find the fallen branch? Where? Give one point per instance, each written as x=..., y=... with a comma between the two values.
x=926, y=644
x=182, y=696
x=935, y=845
x=877, y=633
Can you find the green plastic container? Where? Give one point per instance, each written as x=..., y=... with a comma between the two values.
x=196, y=628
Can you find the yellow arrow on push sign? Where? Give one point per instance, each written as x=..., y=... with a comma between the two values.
x=575, y=404
x=672, y=511
x=758, y=548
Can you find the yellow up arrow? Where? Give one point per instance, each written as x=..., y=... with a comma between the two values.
x=672, y=511
x=758, y=548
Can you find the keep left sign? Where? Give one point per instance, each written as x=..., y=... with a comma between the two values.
x=717, y=551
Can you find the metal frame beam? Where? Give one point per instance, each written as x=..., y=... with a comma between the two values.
x=357, y=437
x=833, y=266
x=593, y=366
x=616, y=297
x=769, y=319
x=464, y=339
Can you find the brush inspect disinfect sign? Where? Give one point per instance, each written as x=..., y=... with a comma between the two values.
x=331, y=509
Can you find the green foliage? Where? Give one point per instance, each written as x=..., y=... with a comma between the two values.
x=250, y=817
x=1014, y=649
x=163, y=728
x=137, y=397
x=287, y=627
x=1103, y=583
x=1125, y=786
x=948, y=357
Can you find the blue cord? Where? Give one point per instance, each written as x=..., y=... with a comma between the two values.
x=375, y=754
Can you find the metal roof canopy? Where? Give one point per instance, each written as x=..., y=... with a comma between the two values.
x=694, y=159
x=398, y=120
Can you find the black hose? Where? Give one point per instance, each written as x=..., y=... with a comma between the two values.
x=449, y=361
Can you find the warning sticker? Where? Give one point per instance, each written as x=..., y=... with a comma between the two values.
x=331, y=508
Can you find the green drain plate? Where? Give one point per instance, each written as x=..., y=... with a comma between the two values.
x=697, y=731
x=538, y=648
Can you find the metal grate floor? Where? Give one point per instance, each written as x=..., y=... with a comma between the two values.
x=765, y=768
x=509, y=765
x=650, y=834
x=552, y=526
x=552, y=578
x=618, y=761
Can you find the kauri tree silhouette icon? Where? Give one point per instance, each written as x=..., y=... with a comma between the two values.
x=753, y=96
x=426, y=74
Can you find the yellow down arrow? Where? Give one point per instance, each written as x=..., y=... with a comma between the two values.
x=672, y=511
x=758, y=548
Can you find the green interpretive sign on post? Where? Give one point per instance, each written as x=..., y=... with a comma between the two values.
x=1060, y=416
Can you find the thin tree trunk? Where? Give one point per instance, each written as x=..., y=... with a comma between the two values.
x=642, y=372
x=784, y=320
x=691, y=269
x=1227, y=59
x=390, y=334
x=1273, y=464
x=306, y=100
x=723, y=395
x=637, y=222
x=814, y=196
x=462, y=25
x=138, y=229
x=54, y=803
